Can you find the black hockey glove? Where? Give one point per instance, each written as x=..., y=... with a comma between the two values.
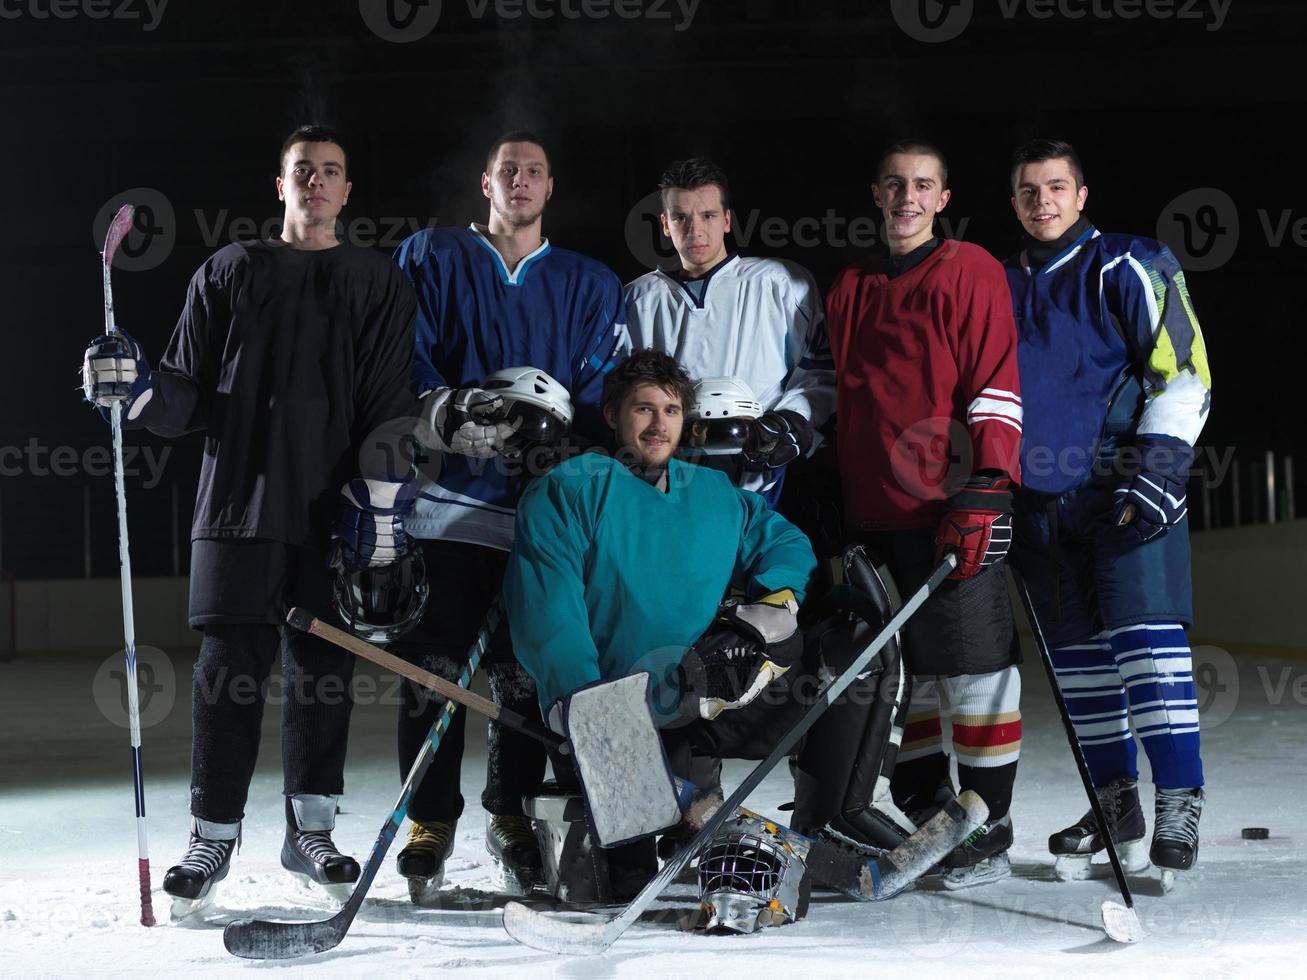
x=782, y=437
x=747, y=647
x=1154, y=499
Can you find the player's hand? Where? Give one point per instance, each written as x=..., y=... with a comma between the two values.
x=782, y=436
x=1154, y=500
x=467, y=421
x=369, y=528
x=114, y=369
x=977, y=524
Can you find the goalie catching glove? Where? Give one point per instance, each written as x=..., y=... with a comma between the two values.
x=747, y=647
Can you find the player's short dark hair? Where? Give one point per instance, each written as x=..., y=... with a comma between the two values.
x=647, y=367
x=517, y=136
x=1039, y=150
x=916, y=147
x=312, y=134
x=690, y=175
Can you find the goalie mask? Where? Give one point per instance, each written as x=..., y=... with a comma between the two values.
x=381, y=603
x=750, y=878
x=721, y=419
x=539, y=407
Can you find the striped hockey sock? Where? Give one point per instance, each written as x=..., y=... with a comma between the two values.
x=1156, y=665
x=1096, y=700
x=985, y=710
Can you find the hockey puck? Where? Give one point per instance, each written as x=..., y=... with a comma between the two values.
x=1255, y=833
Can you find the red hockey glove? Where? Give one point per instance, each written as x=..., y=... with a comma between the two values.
x=977, y=525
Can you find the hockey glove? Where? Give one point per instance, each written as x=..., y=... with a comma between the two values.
x=466, y=421
x=1156, y=494
x=747, y=647
x=369, y=528
x=114, y=369
x=977, y=525
x=782, y=437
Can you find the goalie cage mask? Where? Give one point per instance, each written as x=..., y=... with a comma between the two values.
x=382, y=603
x=750, y=879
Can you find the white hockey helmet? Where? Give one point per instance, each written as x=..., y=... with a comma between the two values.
x=541, y=407
x=750, y=877
x=721, y=419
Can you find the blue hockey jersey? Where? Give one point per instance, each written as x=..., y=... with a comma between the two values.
x=558, y=311
x=1103, y=326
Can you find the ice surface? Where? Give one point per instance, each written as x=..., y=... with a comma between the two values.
x=68, y=858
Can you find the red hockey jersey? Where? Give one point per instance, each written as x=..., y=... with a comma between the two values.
x=928, y=390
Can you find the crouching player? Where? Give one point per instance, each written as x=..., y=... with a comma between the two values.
x=619, y=565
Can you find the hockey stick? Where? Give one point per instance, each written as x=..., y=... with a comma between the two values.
x=118, y=229
x=258, y=939
x=845, y=869
x=1120, y=922
x=591, y=933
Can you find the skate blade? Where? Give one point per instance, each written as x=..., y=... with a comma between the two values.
x=509, y=882
x=985, y=872
x=1168, y=880
x=1121, y=923
x=336, y=894
x=1073, y=867
x=425, y=890
x=184, y=908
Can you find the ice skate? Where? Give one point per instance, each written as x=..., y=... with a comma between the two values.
x=1074, y=847
x=1175, y=831
x=309, y=853
x=193, y=881
x=982, y=858
x=519, y=869
x=422, y=861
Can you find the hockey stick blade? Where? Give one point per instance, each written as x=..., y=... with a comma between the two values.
x=255, y=939
x=926, y=848
x=1121, y=923
x=118, y=229
x=579, y=933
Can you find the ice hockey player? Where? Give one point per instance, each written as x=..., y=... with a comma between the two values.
x=287, y=353
x=1115, y=374
x=929, y=404
x=491, y=296
x=724, y=315
x=621, y=563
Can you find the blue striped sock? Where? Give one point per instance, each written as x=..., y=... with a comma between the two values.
x=1157, y=667
x=1096, y=700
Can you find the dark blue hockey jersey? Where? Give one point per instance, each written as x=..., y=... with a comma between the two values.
x=1102, y=327
x=558, y=311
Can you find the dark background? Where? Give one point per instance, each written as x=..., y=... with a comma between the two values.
x=792, y=98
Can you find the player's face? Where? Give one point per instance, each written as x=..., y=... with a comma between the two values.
x=1046, y=198
x=648, y=423
x=313, y=183
x=910, y=192
x=697, y=224
x=518, y=184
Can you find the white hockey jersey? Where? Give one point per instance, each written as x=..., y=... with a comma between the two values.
x=757, y=319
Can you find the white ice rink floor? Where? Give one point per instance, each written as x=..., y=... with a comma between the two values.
x=68, y=898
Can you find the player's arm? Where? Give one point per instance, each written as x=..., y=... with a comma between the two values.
x=810, y=386
x=773, y=555
x=603, y=341
x=977, y=522
x=1148, y=296
x=175, y=398
x=544, y=591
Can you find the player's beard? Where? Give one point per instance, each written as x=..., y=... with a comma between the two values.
x=521, y=219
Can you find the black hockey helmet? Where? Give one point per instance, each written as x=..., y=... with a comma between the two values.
x=381, y=603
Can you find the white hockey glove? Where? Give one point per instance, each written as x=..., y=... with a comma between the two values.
x=369, y=528
x=748, y=646
x=114, y=369
x=466, y=421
